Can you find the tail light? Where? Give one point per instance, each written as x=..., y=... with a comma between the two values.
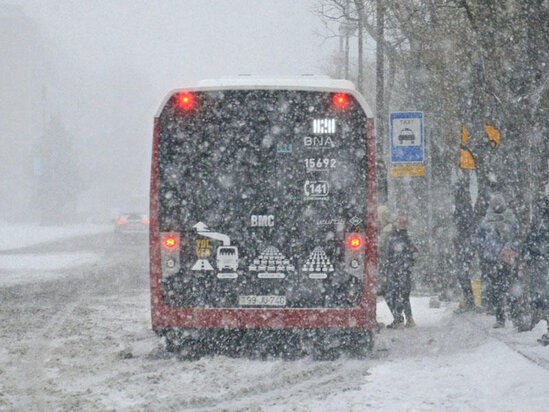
x=340, y=101
x=169, y=253
x=354, y=241
x=146, y=221
x=121, y=222
x=170, y=241
x=185, y=101
x=354, y=254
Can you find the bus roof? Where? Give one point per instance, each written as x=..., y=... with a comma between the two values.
x=305, y=82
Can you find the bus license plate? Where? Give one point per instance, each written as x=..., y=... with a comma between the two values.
x=261, y=300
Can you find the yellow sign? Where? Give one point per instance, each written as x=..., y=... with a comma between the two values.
x=464, y=135
x=466, y=160
x=203, y=248
x=407, y=170
x=494, y=134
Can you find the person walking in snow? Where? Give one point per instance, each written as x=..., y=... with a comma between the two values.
x=535, y=253
x=401, y=256
x=496, y=240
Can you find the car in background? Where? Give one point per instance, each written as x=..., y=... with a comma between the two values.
x=131, y=224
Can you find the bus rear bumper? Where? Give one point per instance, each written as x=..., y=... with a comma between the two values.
x=321, y=344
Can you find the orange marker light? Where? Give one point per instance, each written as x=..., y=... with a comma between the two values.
x=354, y=241
x=170, y=242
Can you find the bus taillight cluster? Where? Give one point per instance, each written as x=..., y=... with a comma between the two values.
x=354, y=241
x=169, y=254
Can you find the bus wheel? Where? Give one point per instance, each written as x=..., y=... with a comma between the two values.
x=189, y=351
x=184, y=347
x=361, y=343
x=325, y=354
x=172, y=340
x=291, y=348
x=324, y=348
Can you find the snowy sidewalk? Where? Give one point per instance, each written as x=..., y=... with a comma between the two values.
x=451, y=363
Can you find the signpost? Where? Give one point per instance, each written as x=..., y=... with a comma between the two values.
x=407, y=144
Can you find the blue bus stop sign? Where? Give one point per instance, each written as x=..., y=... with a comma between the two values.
x=407, y=137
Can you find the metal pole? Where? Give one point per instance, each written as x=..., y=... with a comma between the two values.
x=380, y=103
x=360, y=75
x=347, y=55
x=341, y=55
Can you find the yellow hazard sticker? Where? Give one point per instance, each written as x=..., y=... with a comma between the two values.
x=203, y=248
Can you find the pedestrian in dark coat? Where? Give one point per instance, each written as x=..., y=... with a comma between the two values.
x=401, y=256
x=385, y=227
x=535, y=253
x=464, y=252
x=497, y=241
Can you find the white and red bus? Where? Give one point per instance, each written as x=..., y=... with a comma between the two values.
x=262, y=215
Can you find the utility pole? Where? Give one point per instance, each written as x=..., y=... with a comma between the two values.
x=345, y=31
x=360, y=14
x=380, y=104
x=347, y=54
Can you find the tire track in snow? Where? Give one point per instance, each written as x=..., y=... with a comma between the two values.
x=31, y=370
x=38, y=319
x=318, y=381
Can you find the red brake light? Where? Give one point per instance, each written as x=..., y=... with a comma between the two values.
x=120, y=222
x=354, y=241
x=340, y=100
x=185, y=101
x=146, y=221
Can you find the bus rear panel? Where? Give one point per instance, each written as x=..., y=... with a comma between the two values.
x=261, y=210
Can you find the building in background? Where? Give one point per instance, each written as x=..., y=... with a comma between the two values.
x=22, y=110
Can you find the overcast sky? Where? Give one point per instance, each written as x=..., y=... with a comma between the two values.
x=113, y=61
x=179, y=41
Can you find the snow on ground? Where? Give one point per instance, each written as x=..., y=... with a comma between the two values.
x=18, y=266
x=449, y=374
x=425, y=369
x=85, y=343
x=26, y=268
x=491, y=377
x=421, y=311
x=13, y=236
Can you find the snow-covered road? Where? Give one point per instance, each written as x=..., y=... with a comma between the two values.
x=82, y=341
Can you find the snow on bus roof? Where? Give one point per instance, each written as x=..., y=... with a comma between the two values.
x=304, y=82
x=316, y=81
